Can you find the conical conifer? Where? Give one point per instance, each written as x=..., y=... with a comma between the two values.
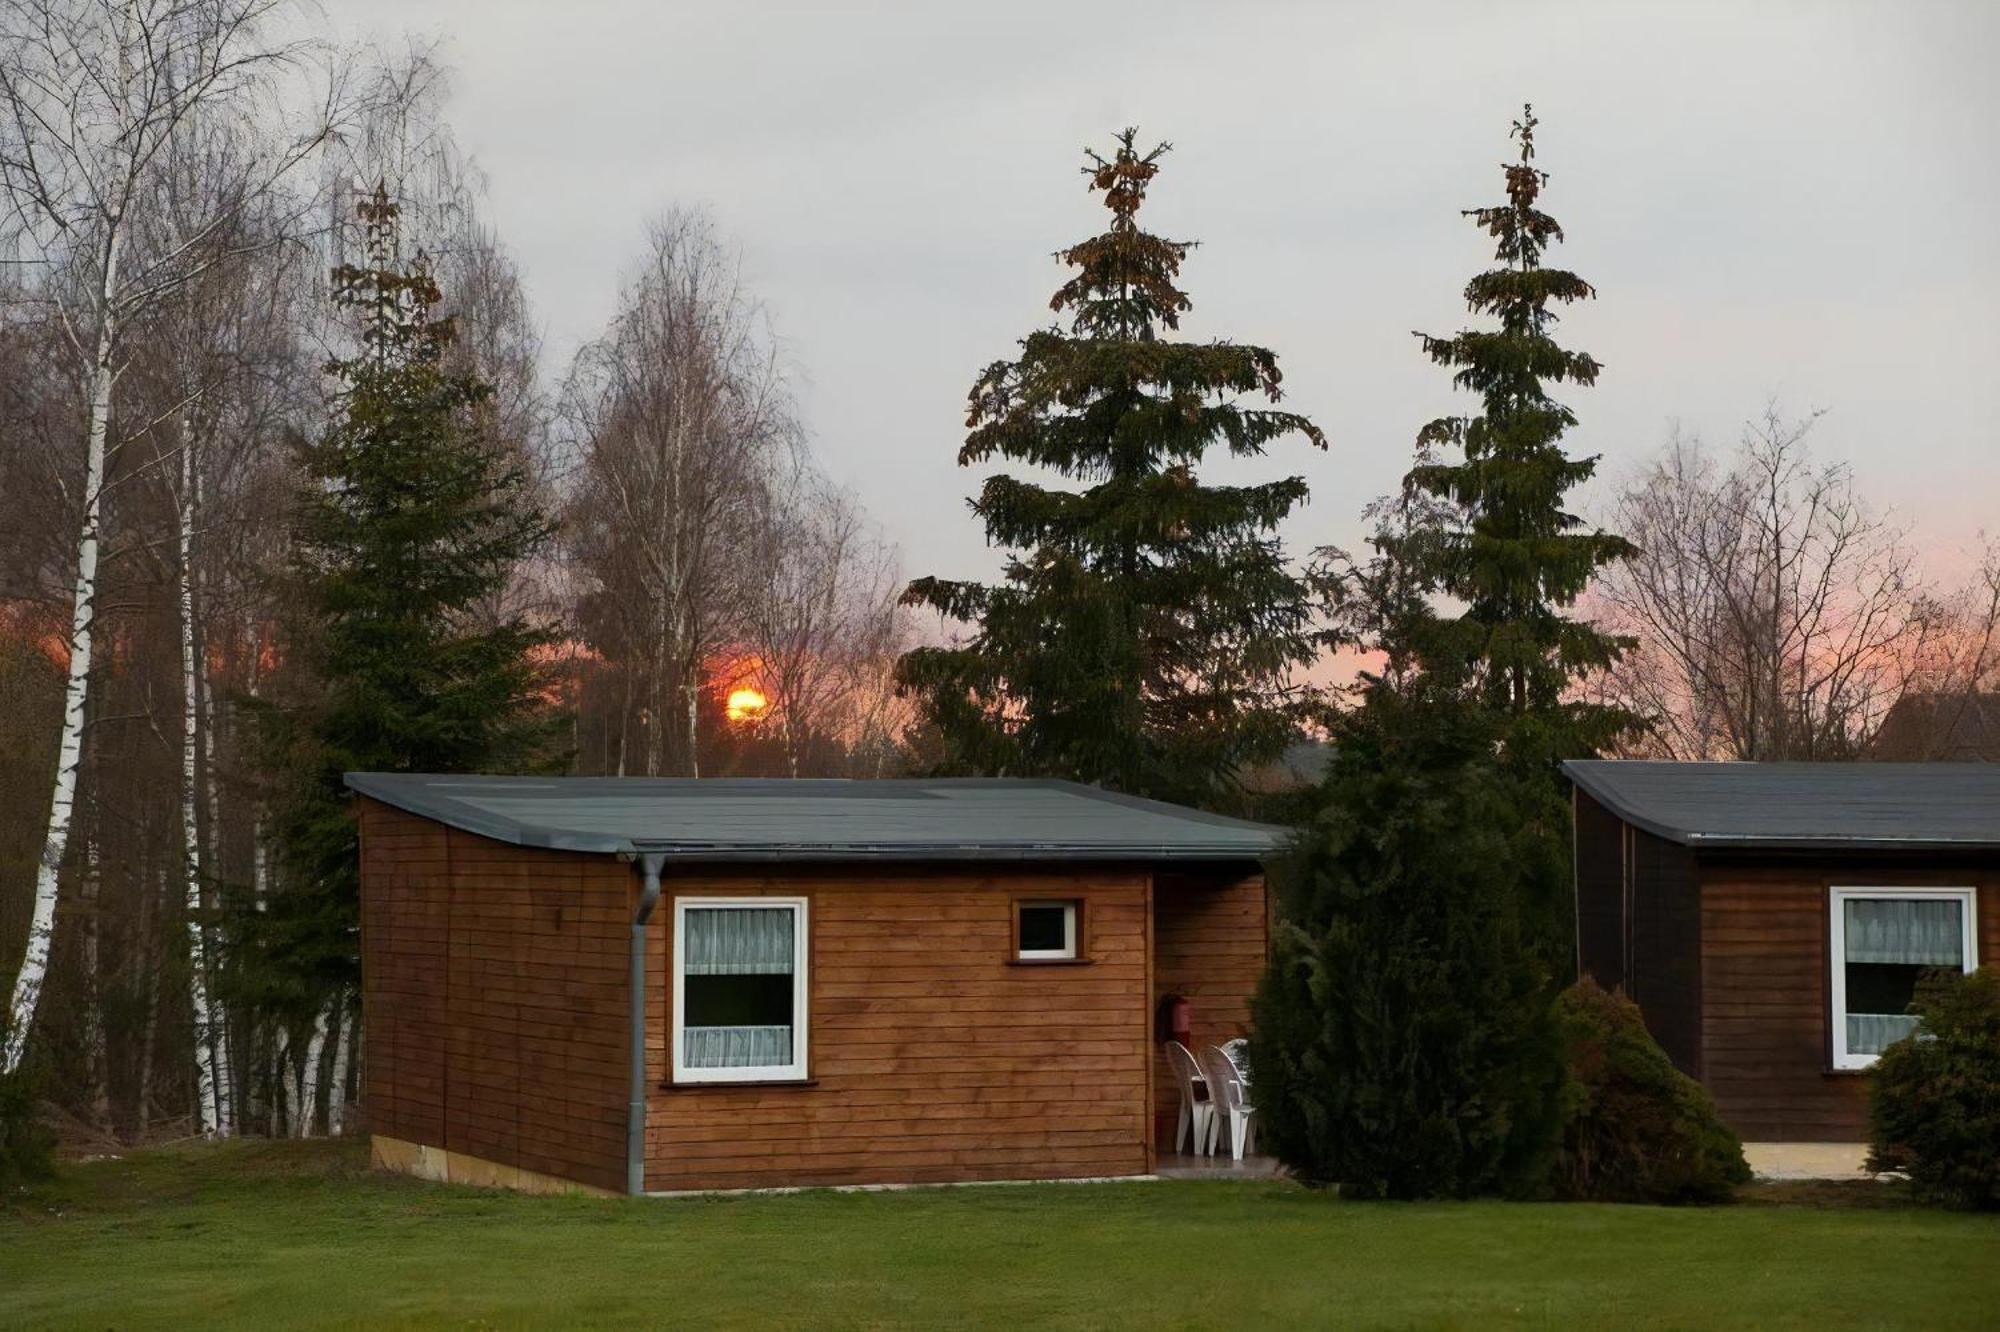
x=412, y=518
x=1147, y=630
x=1515, y=559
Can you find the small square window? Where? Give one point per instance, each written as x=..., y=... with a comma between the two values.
x=1045, y=931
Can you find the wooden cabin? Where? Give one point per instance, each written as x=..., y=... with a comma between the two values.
x=1772, y=920
x=657, y=986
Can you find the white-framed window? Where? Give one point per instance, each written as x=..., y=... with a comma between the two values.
x=1045, y=931
x=1883, y=941
x=739, y=995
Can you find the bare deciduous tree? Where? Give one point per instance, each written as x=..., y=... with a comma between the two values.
x=678, y=413
x=1780, y=616
x=821, y=615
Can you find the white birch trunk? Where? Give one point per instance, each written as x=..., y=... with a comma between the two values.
x=343, y=1045
x=302, y=1113
x=206, y=745
x=95, y=1051
x=280, y=1057
x=207, y=1091
x=694, y=723
x=260, y=868
x=27, y=994
x=151, y=902
x=274, y=1083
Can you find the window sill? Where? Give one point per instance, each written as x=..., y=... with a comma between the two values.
x=1049, y=961
x=725, y=1084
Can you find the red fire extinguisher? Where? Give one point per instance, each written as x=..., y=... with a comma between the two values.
x=1177, y=1019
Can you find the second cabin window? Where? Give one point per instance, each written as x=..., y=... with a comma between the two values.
x=1884, y=941
x=1046, y=931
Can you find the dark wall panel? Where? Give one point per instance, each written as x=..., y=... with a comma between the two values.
x=1665, y=972
x=1600, y=912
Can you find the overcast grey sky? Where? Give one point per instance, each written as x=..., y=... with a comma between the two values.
x=1773, y=199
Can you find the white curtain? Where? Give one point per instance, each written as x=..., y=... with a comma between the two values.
x=737, y=1047
x=1906, y=931
x=1872, y=1033
x=738, y=941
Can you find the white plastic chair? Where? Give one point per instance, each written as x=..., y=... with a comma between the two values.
x=1194, y=1109
x=1226, y=1091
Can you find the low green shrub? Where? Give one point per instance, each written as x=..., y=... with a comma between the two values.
x=1635, y=1128
x=1934, y=1104
x=26, y=1146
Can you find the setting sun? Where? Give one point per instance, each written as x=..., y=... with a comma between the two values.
x=746, y=704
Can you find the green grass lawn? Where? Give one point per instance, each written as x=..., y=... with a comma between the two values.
x=261, y=1234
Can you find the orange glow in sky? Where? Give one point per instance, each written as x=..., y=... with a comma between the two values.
x=746, y=704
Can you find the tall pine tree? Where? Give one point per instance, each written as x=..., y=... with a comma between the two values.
x=412, y=518
x=1511, y=554
x=1405, y=1040
x=1148, y=627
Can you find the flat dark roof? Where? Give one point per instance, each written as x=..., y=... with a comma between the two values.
x=1779, y=806
x=822, y=819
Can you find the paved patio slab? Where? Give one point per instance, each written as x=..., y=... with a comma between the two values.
x=1807, y=1160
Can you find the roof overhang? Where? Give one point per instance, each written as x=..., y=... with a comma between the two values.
x=1599, y=779
x=1204, y=837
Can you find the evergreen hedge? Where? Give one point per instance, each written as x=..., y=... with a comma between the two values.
x=1934, y=1108
x=1635, y=1128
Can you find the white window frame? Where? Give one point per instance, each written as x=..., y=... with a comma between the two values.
x=1067, y=953
x=1836, y=915
x=677, y=999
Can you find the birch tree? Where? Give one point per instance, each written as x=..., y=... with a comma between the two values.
x=679, y=413
x=92, y=95
x=204, y=349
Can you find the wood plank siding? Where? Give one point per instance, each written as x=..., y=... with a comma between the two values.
x=1766, y=1002
x=1727, y=953
x=1210, y=942
x=1663, y=969
x=493, y=997
x=932, y=1055
x=1638, y=925
x=1600, y=891
x=495, y=1010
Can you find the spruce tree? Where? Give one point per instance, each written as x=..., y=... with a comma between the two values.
x=412, y=518
x=1513, y=556
x=1148, y=626
x=1405, y=1041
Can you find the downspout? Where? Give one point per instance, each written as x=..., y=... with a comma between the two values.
x=635, y=1127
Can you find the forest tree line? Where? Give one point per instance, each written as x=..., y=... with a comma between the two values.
x=241, y=261
x=183, y=180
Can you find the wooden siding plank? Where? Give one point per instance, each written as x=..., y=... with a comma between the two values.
x=1765, y=990
x=494, y=1000
x=493, y=997
x=933, y=1057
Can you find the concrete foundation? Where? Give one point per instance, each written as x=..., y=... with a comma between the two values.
x=443, y=1167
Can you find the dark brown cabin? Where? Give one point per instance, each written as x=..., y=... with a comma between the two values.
x=837, y=982
x=1771, y=920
